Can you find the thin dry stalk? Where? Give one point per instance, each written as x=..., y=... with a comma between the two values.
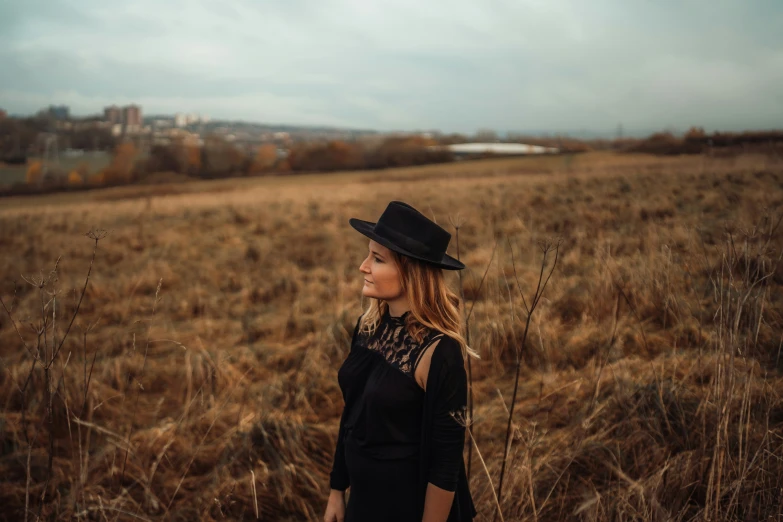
x=546, y=247
x=457, y=224
x=48, y=355
x=467, y=423
x=255, y=496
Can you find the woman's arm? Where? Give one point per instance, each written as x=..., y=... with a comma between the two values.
x=437, y=504
x=448, y=434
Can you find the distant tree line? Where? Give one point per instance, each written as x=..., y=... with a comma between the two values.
x=696, y=141
x=391, y=152
x=217, y=158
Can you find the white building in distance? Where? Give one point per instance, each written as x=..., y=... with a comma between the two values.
x=183, y=120
x=500, y=149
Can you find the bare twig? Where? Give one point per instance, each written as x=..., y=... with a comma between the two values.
x=457, y=224
x=95, y=235
x=546, y=248
x=48, y=356
x=483, y=278
x=13, y=322
x=467, y=423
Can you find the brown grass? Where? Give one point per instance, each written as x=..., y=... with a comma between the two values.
x=215, y=319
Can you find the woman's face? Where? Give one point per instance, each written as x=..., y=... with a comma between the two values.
x=381, y=275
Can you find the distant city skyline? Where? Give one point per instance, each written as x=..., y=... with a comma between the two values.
x=181, y=119
x=456, y=66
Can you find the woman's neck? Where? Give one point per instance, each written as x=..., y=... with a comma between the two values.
x=398, y=307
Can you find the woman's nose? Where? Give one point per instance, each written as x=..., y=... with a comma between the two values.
x=363, y=267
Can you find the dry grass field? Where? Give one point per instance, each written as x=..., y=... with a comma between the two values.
x=198, y=380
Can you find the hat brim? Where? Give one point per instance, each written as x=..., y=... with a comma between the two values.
x=367, y=228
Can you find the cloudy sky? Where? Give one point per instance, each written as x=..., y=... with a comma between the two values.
x=453, y=65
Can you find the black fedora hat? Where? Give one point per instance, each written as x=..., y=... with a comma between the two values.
x=407, y=231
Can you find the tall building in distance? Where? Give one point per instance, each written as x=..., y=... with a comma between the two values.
x=132, y=115
x=180, y=120
x=3, y=114
x=112, y=114
x=123, y=120
x=56, y=112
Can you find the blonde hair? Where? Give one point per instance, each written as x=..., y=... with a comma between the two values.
x=433, y=304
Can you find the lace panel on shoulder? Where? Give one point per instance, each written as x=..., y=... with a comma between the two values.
x=392, y=341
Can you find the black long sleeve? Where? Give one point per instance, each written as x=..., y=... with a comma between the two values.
x=338, y=478
x=448, y=432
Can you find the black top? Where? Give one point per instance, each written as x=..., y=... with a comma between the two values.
x=389, y=416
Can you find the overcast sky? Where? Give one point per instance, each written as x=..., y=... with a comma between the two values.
x=453, y=65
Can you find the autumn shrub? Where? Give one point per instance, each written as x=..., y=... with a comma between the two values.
x=34, y=172
x=75, y=178
x=326, y=157
x=664, y=143
x=405, y=152
x=220, y=158
x=265, y=159
x=122, y=166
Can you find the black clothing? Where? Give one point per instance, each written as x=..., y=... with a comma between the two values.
x=394, y=437
x=381, y=489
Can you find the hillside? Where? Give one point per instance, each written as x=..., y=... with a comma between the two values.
x=198, y=381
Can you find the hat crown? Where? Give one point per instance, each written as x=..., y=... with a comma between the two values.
x=403, y=219
x=412, y=230
x=403, y=229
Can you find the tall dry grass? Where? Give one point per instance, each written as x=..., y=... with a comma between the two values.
x=198, y=381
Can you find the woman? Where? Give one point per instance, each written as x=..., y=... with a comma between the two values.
x=402, y=430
